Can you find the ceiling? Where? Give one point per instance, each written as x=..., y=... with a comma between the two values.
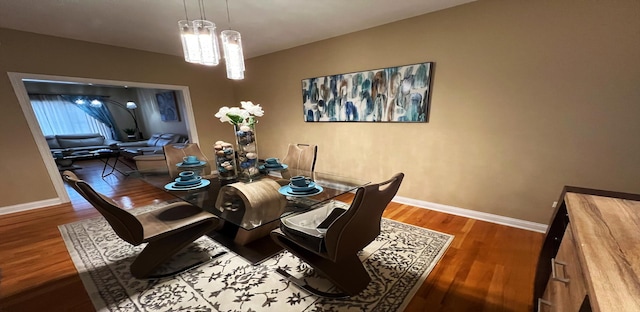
x=152, y=25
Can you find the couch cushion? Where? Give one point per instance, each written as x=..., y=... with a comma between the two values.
x=167, y=138
x=153, y=139
x=52, y=141
x=67, y=143
x=79, y=140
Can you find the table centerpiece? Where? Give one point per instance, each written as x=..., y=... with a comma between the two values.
x=244, y=122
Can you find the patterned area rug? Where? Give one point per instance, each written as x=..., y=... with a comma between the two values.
x=398, y=261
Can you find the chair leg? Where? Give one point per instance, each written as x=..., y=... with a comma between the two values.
x=160, y=250
x=302, y=284
x=348, y=274
x=186, y=268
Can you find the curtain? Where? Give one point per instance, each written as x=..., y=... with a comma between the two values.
x=59, y=116
x=103, y=115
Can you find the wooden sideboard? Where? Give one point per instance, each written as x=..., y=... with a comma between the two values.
x=590, y=259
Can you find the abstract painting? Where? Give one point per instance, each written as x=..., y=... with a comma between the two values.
x=394, y=94
x=167, y=106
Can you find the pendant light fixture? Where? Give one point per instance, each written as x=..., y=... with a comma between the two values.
x=232, y=46
x=199, y=39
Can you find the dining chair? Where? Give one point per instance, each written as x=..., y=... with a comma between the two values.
x=174, y=154
x=299, y=158
x=335, y=256
x=166, y=230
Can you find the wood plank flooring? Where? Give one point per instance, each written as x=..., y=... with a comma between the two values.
x=488, y=267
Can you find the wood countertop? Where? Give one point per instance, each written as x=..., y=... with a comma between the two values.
x=607, y=234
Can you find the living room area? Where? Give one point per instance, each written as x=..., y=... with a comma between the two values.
x=82, y=121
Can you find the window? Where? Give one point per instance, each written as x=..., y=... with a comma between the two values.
x=57, y=116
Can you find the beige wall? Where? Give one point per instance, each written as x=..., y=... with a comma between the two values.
x=150, y=114
x=528, y=96
x=30, y=53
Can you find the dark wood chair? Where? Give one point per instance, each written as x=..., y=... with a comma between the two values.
x=166, y=230
x=336, y=258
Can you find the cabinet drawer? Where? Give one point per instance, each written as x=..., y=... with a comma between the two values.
x=566, y=289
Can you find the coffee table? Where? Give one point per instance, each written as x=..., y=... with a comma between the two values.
x=66, y=162
x=251, y=210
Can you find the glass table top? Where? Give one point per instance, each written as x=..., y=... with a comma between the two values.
x=250, y=205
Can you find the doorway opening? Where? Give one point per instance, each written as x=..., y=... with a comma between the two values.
x=147, y=110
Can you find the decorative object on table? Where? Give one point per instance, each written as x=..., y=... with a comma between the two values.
x=168, y=106
x=394, y=94
x=191, y=163
x=403, y=256
x=248, y=205
x=287, y=190
x=244, y=123
x=187, y=180
x=225, y=160
x=300, y=182
x=300, y=186
x=272, y=164
x=174, y=157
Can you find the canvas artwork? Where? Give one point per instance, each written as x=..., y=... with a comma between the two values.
x=394, y=94
x=167, y=106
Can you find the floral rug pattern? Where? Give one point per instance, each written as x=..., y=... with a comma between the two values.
x=398, y=261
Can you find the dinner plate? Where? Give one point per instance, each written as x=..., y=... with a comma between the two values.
x=193, y=181
x=307, y=188
x=284, y=166
x=195, y=164
x=286, y=191
x=173, y=187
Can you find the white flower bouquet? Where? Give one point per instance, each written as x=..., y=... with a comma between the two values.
x=238, y=116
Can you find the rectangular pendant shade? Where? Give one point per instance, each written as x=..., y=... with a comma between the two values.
x=199, y=42
x=234, y=58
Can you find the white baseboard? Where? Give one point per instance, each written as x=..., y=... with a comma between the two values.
x=517, y=223
x=30, y=206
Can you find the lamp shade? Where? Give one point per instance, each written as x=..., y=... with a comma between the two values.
x=199, y=42
x=131, y=105
x=95, y=103
x=234, y=58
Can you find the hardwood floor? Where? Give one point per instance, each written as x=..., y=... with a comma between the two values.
x=488, y=267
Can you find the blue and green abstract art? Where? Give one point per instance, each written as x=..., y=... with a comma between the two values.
x=394, y=94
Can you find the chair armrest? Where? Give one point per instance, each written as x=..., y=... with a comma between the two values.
x=133, y=144
x=111, y=142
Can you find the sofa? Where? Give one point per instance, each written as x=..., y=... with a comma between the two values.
x=76, y=144
x=151, y=146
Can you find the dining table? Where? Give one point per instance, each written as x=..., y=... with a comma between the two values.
x=249, y=211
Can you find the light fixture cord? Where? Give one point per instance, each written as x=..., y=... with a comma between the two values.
x=228, y=15
x=202, y=15
x=185, y=10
